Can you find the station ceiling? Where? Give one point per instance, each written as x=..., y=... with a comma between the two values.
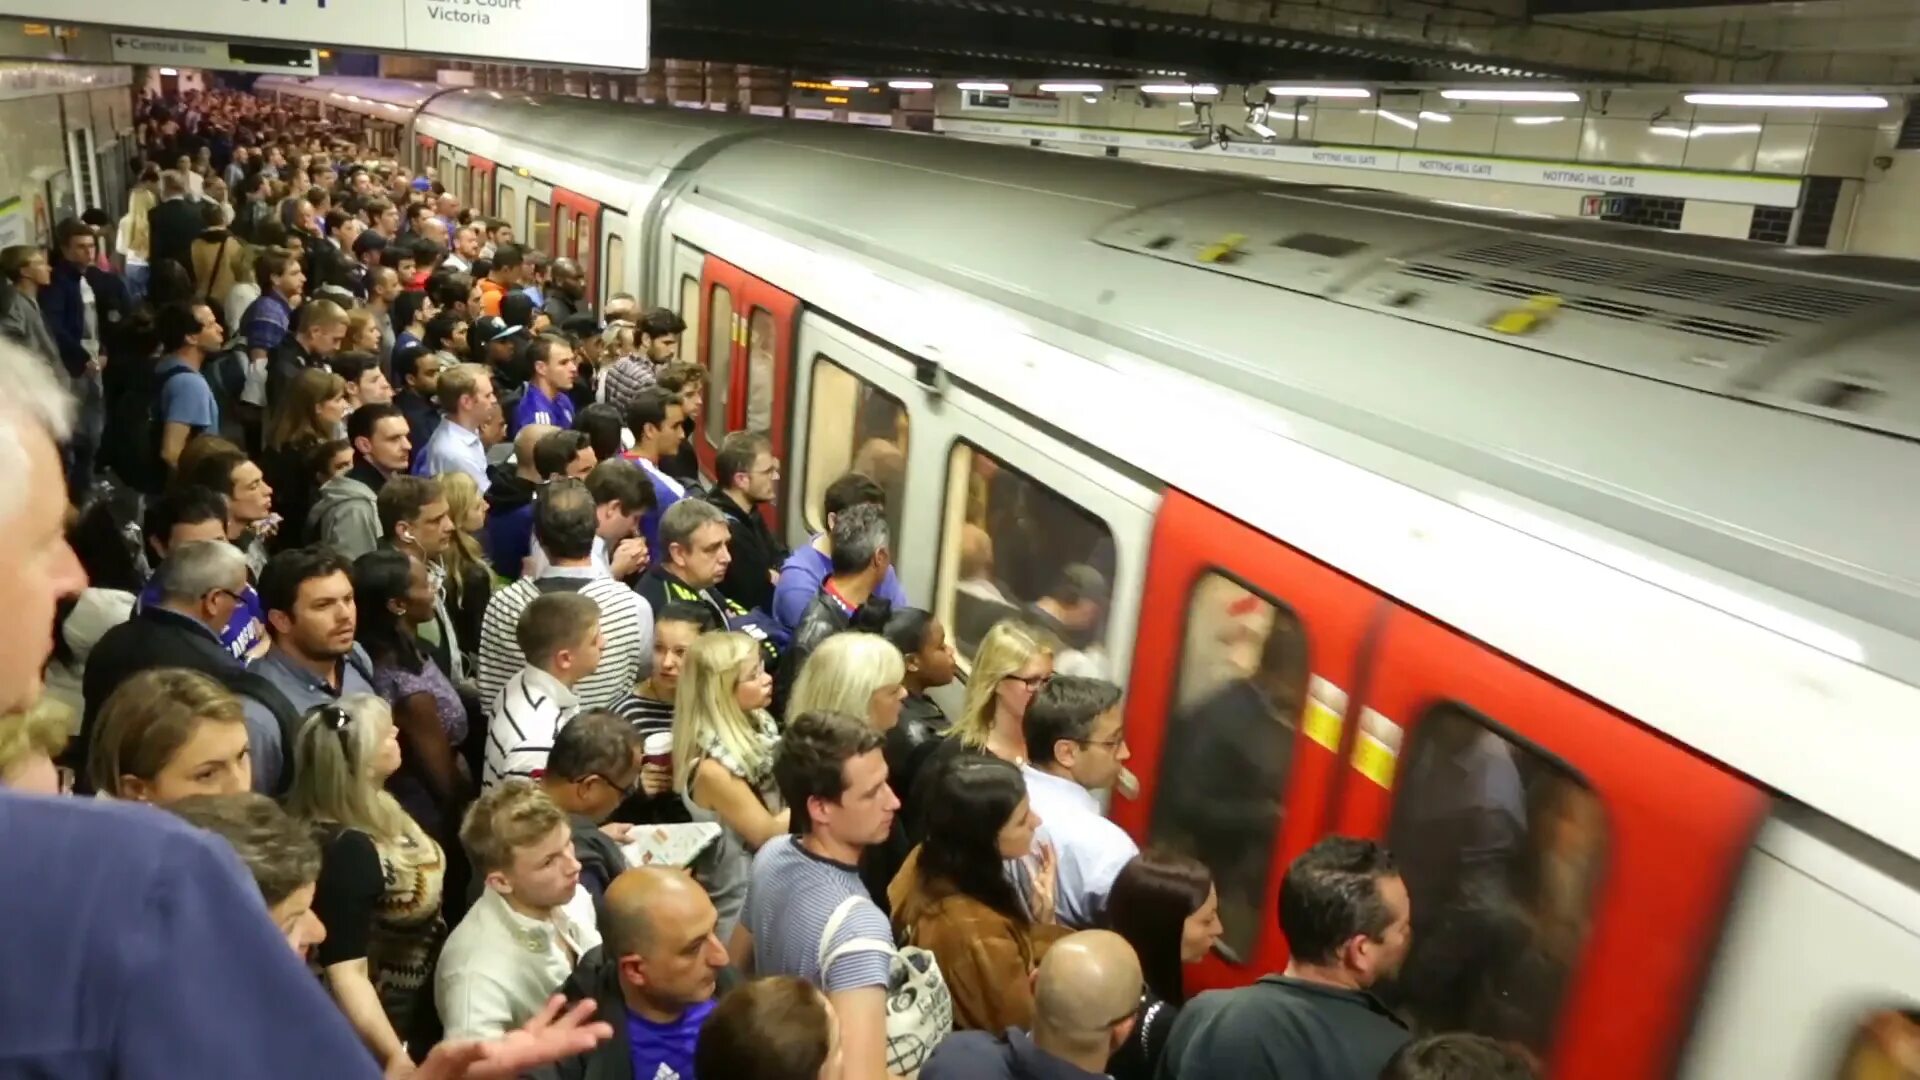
x=1816, y=41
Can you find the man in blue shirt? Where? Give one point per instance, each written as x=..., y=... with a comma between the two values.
x=807, y=568
x=308, y=594
x=466, y=398
x=190, y=335
x=554, y=369
x=655, y=978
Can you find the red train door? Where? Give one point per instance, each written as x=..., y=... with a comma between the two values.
x=750, y=332
x=1568, y=867
x=576, y=232
x=482, y=199
x=1239, y=693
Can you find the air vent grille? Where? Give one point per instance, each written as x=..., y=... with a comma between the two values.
x=1723, y=330
x=1509, y=253
x=1613, y=309
x=1591, y=269
x=1509, y=287
x=1692, y=284
x=1431, y=272
x=1803, y=303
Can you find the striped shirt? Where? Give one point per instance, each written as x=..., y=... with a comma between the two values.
x=793, y=897
x=648, y=717
x=521, y=723
x=625, y=619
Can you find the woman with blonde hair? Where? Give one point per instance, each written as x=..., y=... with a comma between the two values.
x=469, y=577
x=363, y=333
x=1013, y=662
x=852, y=673
x=30, y=740
x=379, y=893
x=723, y=744
x=168, y=733
x=133, y=241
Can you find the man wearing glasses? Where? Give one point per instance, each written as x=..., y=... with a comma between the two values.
x=1076, y=744
x=593, y=768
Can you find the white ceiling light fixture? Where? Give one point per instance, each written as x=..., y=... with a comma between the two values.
x=1396, y=118
x=849, y=84
x=983, y=87
x=1436, y=117
x=1071, y=88
x=1180, y=90
x=1535, y=121
x=909, y=84
x=1320, y=91
x=1789, y=101
x=1510, y=95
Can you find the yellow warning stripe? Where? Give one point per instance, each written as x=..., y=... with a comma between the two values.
x=1323, y=725
x=1374, y=760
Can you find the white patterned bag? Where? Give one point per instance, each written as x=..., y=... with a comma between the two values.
x=919, y=1008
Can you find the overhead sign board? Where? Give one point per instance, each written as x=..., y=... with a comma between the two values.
x=1754, y=188
x=217, y=55
x=566, y=33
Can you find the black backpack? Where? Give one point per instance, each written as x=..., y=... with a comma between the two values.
x=136, y=426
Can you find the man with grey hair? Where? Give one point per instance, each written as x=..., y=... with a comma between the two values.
x=690, y=562
x=215, y=991
x=862, y=554
x=200, y=586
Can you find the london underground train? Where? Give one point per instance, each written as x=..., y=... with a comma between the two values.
x=1577, y=562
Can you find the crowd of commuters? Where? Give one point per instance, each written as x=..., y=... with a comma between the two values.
x=396, y=579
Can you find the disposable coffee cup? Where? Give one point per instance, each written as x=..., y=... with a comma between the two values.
x=657, y=749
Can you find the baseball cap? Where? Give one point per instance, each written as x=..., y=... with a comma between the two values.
x=491, y=328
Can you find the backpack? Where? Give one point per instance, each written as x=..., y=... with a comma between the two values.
x=134, y=419
x=919, y=1007
x=251, y=685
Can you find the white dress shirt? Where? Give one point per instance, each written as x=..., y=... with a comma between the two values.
x=455, y=449
x=499, y=967
x=1091, y=849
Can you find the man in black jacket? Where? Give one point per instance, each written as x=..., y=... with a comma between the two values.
x=174, y=223
x=691, y=560
x=201, y=584
x=861, y=555
x=656, y=975
x=747, y=478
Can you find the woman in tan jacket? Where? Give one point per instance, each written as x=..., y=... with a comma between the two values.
x=213, y=260
x=955, y=898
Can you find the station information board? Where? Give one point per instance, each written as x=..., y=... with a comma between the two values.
x=565, y=33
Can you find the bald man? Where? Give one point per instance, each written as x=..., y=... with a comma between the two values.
x=1085, y=996
x=655, y=978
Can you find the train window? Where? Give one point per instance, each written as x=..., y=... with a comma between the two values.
x=1239, y=695
x=854, y=426
x=568, y=230
x=761, y=337
x=1012, y=546
x=483, y=179
x=1887, y=1047
x=583, y=243
x=506, y=200
x=539, y=225
x=691, y=312
x=1501, y=847
x=719, y=364
x=616, y=265
x=463, y=183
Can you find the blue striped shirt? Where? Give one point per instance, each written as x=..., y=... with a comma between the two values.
x=793, y=896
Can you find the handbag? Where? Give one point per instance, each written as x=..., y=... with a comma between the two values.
x=919, y=1006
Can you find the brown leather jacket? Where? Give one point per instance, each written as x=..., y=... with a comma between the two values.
x=213, y=255
x=985, y=957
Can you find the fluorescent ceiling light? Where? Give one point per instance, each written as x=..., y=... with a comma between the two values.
x=1436, y=117
x=1179, y=90
x=1320, y=91
x=1509, y=95
x=1707, y=129
x=983, y=87
x=1091, y=100
x=1791, y=101
x=909, y=84
x=849, y=84
x=1535, y=120
x=1396, y=118
x=1260, y=129
x=1071, y=88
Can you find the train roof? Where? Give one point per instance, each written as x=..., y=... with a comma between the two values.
x=392, y=99
x=1752, y=407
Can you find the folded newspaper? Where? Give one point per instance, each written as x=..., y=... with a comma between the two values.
x=669, y=845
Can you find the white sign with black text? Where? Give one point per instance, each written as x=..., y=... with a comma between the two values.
x=196, y=53
x=1750, y=188
x=583, y=33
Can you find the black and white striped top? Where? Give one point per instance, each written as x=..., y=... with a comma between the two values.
x=521, y=723
x=625, y=619
x=647, y=716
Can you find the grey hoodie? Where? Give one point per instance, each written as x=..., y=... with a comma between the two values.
x=345, y=516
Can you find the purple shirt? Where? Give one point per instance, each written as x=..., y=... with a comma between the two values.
x=266, y=322
x=801, y=577
x=243, y=631
x=537, y=408
x=665, y=1050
